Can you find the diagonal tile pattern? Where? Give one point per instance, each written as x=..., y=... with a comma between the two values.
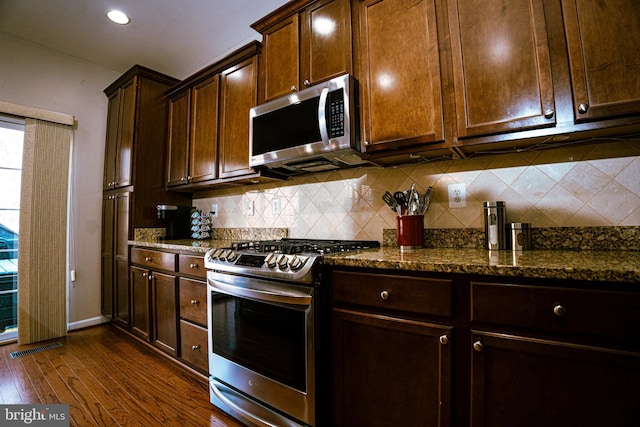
x=597, y=185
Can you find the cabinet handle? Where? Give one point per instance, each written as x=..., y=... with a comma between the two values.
x=144, y=274
x=477, y=346
x=444, y=340
x=307, y=83
x=183, y=179
x=148, y=259
x=294, y=89
x=559, y=310
x=549, y=114
x=193, y=266
x=384, y=294
x=195, y=347
x=194, y=302
x=583, y=108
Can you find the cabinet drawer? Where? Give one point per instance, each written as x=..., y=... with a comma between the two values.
x=194, y=346
x=192, y=265
x=193, y=301
x=399, y=293
x=591, y=312
x=153, y=259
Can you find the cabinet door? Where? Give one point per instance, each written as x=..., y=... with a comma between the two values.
x=177, y=161
x=121, y=257
x=108, y=206
x=165, y=317
x=399, y=73
x=390, y=372
x=518, y=381
x=204, y=131
x=325, y=50
x=140, y=303
x=111, y=144
x=603, y=40
x=501, y=66
x=239, y=94
x=127, y=124
x=280, y=58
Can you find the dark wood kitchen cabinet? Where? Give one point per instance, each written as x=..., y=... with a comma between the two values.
x=391, y=357
x=398, y=66
x=304, y=42
x=134, y=177
x=603, y=39
x=553, y=356
x=209, y=124
x=116, y=207
x=501, y=66
x=154, y=295
x=193, y=133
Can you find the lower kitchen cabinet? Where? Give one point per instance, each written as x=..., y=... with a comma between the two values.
x=391, y=366
x=193, y=323
x=521, y=381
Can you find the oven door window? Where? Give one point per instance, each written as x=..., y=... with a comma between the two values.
x=266, y=338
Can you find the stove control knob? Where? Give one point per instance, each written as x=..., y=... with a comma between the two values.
x=223, y=256
x=232, y=256
x=270, y=260
x=282, y=262
x=216, y=254
x=295, y=263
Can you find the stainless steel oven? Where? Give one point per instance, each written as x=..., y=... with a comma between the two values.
x=268, y=331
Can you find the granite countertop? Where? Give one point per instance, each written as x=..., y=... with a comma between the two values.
x=610, y=266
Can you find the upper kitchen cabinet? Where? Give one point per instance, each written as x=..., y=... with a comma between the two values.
x=193, y=133
x=209, y=124
x=501, y=66
x=136, y=110
x=399, y=68
x=304, y=42
x=603, y=39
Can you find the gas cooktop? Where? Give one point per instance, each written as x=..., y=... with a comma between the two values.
x=298, y=246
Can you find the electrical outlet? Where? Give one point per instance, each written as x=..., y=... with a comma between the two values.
x=214, y=210
x=250, y=208
x=457, y=196
x=275, y=206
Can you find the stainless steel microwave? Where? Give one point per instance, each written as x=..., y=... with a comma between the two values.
x=313, y=130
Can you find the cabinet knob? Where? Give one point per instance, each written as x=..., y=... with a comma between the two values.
x=307, y=83
x=148, y=259
x=294, y=89
x=194, y=302
x=559, y=310
x=549, y=114
x=144, y=274
x=183, y=178
x=193, y=265
x=583, y=108
x=444, y=340
x=366, y=143
x=384, y=294
x=195, y=347
x=477, y=346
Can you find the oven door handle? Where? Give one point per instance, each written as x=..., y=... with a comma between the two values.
x=267, y=292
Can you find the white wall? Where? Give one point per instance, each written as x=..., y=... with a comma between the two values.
x=41, y=78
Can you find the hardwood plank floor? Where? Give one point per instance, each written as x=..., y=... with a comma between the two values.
x=108, y=379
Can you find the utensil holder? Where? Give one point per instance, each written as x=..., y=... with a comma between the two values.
x=410, y=231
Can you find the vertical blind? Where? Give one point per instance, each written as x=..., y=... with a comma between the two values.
x=42, y=254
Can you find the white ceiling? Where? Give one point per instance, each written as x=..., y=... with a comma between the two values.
x=175, y=37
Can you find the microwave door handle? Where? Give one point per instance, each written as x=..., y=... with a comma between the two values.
x=322, y=115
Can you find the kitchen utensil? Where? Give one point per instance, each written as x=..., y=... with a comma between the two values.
x=391, y=201
x=401, y=200
x=425, y=199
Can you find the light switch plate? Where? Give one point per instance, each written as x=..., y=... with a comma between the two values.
x=457, y=196
x=275, y=206
x=214, y=210
x=250, y=208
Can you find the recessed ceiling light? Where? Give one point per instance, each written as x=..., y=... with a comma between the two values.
x=118, y=17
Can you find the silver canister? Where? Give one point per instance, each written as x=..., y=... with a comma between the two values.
x=494, y=225
x=520, y=236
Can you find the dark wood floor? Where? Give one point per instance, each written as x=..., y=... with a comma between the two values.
x=108, y=379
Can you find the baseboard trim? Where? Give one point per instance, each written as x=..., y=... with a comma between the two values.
x=87, y=323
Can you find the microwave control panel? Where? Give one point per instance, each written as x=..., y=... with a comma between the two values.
x=336, y=113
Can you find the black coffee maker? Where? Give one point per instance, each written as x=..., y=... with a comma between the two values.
x=177, y=220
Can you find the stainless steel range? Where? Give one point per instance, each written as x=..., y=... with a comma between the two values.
x=268, y=329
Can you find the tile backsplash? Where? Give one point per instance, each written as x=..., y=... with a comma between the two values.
x=572, y=186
